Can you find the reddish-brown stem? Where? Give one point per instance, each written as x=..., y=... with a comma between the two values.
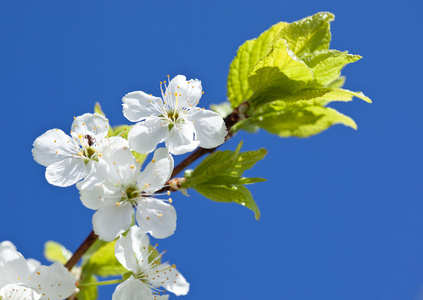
x=91, y=238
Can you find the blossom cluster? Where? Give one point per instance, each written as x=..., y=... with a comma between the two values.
x=110, y=180
x=27, y=279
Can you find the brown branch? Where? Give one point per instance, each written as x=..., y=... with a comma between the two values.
x=89, y=241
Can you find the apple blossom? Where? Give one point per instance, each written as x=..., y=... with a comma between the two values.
x=173, y=119
x=127, y=188
x=71, y=158
x=28, y=280
x=148, y=277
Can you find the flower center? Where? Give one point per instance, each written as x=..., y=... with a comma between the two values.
x=173, y=115
x=130, y=194
x=88, y=152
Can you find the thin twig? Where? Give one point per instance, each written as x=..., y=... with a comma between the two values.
x=91, y=238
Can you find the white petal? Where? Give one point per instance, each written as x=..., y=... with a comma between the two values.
x=209, y=127
x=53, y=282
x=132, y=289
x=132, y=250
x=157, y=172
x=32, y=264
x=18, y=292
x=187, y=93
x=66, y=172
x=53, y=146
x=139, y=105
x=169, y=277
x=110, y=220
x=7, y=245
x=113, y=144
x=13, y=267
x=181, y=139
x=145, y=136
x=156, y=217
x=97, y=173
x=123, y=167
x=93, y=125
x=92, y=198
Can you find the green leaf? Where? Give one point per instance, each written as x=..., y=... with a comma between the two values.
x=56, y=252
x=229, y=181
x=300, y=119
x=121, y=130
x=337, y=83
x=154, y=254
x=97, y=245
x=279, y=73
x=88, y=292
x=247, y=56
x=140, y=157
x=213, y=165
x=237, y=194
x=103, y=262
x=98, y=110
x=320, y=95
x=223, y=109
x=309, y=34
x=335, y=94
x=219, y=177
x=246, y=160
x=327, y=65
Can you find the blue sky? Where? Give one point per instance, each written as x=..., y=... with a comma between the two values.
x=341, y=211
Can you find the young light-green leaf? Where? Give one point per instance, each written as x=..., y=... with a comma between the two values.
x=237, y=194
x=309, y=34
x=98, y=110
x=219, y=177
x=246, y=160
x=299, y=119
x=279, y=73
x=248, y=55
x=327, y=65
x=56, y=252
x=121, y=130
x=320, y=95
x=88, y=292
x=213, y=165
x=223, y=109
x=227, y=180
x=337, y=83
x=103, y=262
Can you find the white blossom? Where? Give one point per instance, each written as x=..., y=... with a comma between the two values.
x=127, y=188
x=22, y=279
x=149, y=278
x=174, y=119
x=71, y=158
